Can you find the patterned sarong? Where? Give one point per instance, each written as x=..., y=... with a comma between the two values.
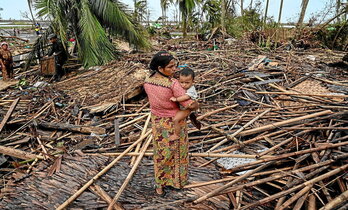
x=170, y=157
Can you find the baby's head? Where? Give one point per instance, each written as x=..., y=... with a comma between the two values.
x=186, y=77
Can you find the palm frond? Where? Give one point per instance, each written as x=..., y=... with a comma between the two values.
x=96, y=48
x=110, y=14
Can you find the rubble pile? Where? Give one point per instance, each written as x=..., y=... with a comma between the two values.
x=273, y=134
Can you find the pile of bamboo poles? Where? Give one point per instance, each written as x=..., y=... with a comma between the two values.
x=297, y=149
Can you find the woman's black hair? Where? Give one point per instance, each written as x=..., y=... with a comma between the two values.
x=186, y=71
x=160, y=59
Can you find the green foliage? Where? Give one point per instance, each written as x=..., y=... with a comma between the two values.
x=140, y=10
x=187, y=8
x=22, y=83
x=91, y=22
x=334, y=36
x=250, y=21
x=212, y=10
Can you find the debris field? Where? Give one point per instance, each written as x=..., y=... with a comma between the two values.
x=273, y=136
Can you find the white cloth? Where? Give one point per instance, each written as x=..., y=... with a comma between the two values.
x=192, y=93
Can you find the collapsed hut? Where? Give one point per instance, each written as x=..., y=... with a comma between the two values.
x=274, y=134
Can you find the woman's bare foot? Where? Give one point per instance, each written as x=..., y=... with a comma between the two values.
x=159, y=191
x=174, y=137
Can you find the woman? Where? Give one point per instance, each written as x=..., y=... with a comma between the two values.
x=170, y=155
x=6, y=62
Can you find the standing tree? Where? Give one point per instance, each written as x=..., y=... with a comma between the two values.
x=280, y=10
x=164, y=6
x=265, y=17
x=30, y=5
x=338, y=7
x=223, y=16
x=303, y=12
x=87, y=21
x=186, y=8
x=140, y=10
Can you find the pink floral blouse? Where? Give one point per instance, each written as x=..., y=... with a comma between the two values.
x=159, y=91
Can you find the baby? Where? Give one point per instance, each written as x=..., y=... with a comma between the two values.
x=186, y=80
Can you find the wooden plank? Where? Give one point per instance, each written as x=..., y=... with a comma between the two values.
x=8, y=114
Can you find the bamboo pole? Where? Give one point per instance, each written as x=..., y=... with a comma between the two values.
x=240, y=129
x=295, y=197
x=312, y=202
x=103, y=195
x=282, y=123
x=283, y=156
x=282, y=172
x=216, y=111
x=107, y=168
x=244, y=176
x=300, y=202
x=192, y=154
x=130, y=175
x=142, y=134
x=303, y=94
x=279, y=176
x=336, y=201
x=307, y=183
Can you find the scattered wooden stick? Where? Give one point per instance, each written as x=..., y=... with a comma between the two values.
x=108, y=167
x=244, y=176
x=283, y=156
x=303, y=94
x=206, y=154
x=307, y=183
x=73, y=128
x=336, y=201
x=18, y=153
x=282, y=123
x=240, y=129
x=142, y=134
x=130, y=175
x=100, y=192
x=8, y=114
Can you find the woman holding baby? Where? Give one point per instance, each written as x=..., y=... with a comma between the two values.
x=170, y=133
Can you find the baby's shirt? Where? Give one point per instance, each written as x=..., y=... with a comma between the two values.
x=192, y=92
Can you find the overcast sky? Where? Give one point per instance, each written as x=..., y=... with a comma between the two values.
x=13, y=8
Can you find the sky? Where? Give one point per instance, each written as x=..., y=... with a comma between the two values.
x=13, y=8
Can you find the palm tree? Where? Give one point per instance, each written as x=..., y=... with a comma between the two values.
x=186, y=8
x=140, y=10
x=31, y=11
x=164, y=6
x=90, y=22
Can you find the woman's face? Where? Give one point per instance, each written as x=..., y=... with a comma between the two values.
x=169, y=70
x=4, y=46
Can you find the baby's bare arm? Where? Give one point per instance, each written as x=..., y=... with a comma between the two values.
x=183, y=98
